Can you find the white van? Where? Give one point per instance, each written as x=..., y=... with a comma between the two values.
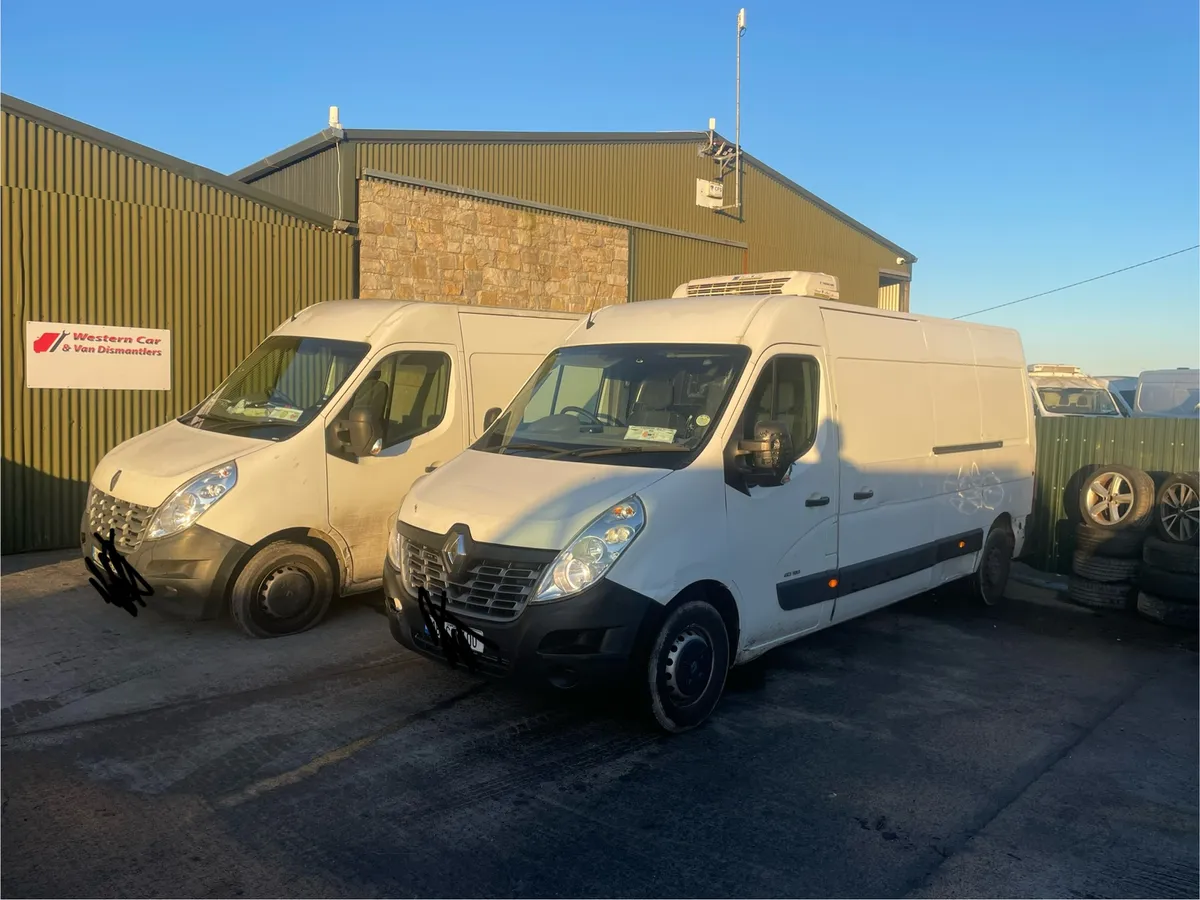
x=687, y=483
x=279, y=489
x=1061, y=390
x=1168, y=393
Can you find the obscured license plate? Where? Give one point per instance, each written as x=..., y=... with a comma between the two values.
x=473, y=642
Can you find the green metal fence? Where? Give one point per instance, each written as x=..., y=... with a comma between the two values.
x=1068, y=447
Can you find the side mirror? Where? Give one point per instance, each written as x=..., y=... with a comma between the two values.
x=491, y=416
x=365, y=432
x=769, y=453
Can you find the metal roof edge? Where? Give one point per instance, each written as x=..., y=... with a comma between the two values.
x=858, y=226
x=174, y=164
x=327, y=137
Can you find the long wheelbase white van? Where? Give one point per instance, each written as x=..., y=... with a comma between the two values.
x=687, y=483
x=279, y=489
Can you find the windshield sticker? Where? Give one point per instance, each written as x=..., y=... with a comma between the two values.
x=638, y=433
x=284, y=412
x=702, y=420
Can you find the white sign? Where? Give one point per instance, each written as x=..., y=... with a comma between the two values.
x=62, y=355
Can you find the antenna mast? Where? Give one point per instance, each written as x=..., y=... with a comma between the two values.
x=737, y=128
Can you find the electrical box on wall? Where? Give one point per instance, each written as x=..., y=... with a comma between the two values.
x=710, y=194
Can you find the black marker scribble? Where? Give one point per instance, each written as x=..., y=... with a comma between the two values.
x=119, y=583
x=453, y=641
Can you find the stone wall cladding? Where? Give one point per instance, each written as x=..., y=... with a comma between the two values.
x=424, y=244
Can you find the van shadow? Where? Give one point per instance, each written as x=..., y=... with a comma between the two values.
x=39, y=511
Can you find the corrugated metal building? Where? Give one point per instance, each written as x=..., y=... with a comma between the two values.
x=101, y=231
x=643, y=183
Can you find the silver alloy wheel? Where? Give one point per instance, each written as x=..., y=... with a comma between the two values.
x=1179, y=511
x=1109, y=498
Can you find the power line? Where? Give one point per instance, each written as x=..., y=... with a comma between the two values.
x=1077, y=283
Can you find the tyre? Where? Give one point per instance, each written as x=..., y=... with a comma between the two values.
x=1181, y=558
x=995, y=561
x=284, y=589
x=1177, y=509
x=1119, y=543
x=1117, y=497
x=1104, y=568
x=1169, y=612
x=1099, y=595
x=686, y=667
x=1169, y=585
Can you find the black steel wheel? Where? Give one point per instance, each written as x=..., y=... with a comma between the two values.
x=286, y=588
x=686, y=667
x=995, y=562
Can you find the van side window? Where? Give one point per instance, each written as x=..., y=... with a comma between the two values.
x=787, y=391
x=409, y=391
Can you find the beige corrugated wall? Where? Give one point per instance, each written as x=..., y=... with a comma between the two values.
x=92, y=236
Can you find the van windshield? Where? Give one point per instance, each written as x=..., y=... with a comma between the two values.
x=1078, y=401
x=639, y=404
x=279, y=388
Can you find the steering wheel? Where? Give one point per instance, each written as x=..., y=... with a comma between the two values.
x=596, y=418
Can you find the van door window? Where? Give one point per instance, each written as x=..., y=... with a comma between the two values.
x=787, y=391
x=408, y=391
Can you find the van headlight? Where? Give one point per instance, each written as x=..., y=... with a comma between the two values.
x=592, y=552
x=191, y=501
x=396, y=550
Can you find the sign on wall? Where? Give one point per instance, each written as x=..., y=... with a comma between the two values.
x=62, y=355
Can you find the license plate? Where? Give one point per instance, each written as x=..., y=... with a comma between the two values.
x=473, y=642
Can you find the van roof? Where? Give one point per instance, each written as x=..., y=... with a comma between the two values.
x=363, y=320
x=722, y=319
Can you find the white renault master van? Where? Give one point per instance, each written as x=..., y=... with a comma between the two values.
x=279, y=489
x=687, y=483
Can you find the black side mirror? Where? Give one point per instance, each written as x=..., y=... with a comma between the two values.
x=365, y=432
x=769, y=453
x=491, y=416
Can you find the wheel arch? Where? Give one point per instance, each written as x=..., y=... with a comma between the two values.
x=720, y=598
x=320, y=541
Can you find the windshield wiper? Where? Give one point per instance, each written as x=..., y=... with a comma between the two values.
x=231, y=425
x=615, y=451
x=542, y=448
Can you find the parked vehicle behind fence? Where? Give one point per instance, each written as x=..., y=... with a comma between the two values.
x=684, y=484
x=1060, y=390
x=1168, y=393
x=278, y=490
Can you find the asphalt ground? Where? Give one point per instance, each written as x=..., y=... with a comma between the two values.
x=929, y=750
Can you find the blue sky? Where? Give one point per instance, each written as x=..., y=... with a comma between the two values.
x=1012, y=147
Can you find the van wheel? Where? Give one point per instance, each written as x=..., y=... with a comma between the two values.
x=286, y=588
x=686, y=667
x=995, y=562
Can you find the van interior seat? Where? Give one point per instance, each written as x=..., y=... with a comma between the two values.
x=652, y=408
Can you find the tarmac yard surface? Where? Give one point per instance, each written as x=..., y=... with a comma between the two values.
x=928, y=750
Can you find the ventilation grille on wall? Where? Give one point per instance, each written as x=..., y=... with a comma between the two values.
x=796, y=284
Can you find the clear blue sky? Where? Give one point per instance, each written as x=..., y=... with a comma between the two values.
x=1012, y=147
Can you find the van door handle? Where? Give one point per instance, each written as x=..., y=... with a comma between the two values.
x=432, y=466
x=863, y=495
x=816, y=501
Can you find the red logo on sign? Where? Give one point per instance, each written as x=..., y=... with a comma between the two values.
x=48, y=341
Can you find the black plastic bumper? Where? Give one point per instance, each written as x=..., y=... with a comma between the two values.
x=189, y=572
x=594, y=638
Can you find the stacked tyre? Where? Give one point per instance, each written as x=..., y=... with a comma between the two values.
x=1116, y=505
x=1169, y=576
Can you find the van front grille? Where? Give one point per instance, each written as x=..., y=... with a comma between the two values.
x=489, y=588
x=128, y=521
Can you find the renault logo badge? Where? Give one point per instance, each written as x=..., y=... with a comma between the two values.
x=112, y=484
x=454, y=551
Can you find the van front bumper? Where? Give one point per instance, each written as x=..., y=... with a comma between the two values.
x=596, y=637
x=188, y=571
